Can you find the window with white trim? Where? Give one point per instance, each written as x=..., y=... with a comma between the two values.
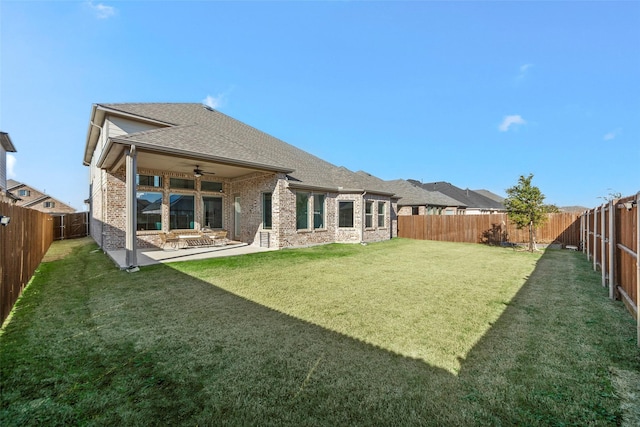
x=368, y=214
x=381, y=214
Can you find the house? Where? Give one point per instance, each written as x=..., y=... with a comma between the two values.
x=413, y=200
x=32, y=198
x=161, y=167
x=474, y=203
x=491, y=195
x=6, y=146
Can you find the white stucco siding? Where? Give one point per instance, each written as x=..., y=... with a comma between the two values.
x=117, y=126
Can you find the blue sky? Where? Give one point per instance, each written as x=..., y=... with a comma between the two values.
x=473, y=93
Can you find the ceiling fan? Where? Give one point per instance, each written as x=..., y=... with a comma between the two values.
x=197, y=172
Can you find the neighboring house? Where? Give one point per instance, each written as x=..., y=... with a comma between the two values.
x=156, y=168
x=489, y=194
x=32, y=198
x=476, y=204
x=6, y=146
x=413, y=200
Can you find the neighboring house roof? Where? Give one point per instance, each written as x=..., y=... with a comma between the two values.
x=574, y=209
x=410, y=195
x=13, y=186
x=6, y=143
x=193, y=130
x=470, y=198
x=490, y=195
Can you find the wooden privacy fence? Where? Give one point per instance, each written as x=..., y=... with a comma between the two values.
x=611, y=239
x=562, y=228
x=23, y=243
x=71, y=226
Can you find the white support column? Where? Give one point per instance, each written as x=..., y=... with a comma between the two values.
x=131, y=258
x=612, y=249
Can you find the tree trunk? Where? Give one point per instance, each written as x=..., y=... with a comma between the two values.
x=531, y=236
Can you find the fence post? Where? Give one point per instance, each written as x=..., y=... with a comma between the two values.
x=612, y=249
x=588, y=235
x=595, y=236
x=638, y=265
x=582, y=233
x=603, y=245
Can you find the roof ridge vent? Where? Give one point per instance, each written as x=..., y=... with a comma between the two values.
x=206, y=107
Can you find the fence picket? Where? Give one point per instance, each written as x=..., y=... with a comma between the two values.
x=23, y=243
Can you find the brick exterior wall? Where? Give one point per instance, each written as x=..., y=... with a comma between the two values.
x=108, y=212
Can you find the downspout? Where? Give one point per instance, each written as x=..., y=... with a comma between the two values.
x=362, y=218
x=102, y=193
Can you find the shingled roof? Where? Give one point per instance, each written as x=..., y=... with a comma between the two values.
x=195, y=130
x=410, y=195
x=470, y=198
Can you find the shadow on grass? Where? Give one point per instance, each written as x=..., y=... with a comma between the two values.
x=91, y=345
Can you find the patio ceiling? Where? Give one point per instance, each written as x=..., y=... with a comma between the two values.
x=179, y=162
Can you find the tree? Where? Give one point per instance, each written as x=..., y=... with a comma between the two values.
x=525, y=206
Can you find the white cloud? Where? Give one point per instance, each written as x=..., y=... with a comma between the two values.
x=102, y=11
x=213, y=101
x=11, y=164
x=522, y=74
x=612, y=135
x=510, y=121
x=525, y=67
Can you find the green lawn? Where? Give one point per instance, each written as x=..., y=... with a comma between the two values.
x=395, y=333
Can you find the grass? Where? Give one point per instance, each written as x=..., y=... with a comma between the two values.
x=397, y=333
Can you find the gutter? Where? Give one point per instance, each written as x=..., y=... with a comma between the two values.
x=142, y=146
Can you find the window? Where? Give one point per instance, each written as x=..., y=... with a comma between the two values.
x=211, y=186
x=186, y=184
x=266, y=211
x=302, y=211
x=212, y=212
x=368, y=214
x=318, y=211
x=149, y=180
x=181, y=211
x=24, y=193
x=149, y=210
x=49, y=204
x=415, y=210
x=345, y=214
x=381, y=214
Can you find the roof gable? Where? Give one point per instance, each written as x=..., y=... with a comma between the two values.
x=198, y=131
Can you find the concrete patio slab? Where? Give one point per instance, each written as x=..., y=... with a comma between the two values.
x=158, y=256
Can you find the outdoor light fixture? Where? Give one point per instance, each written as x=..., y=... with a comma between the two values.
x=629, y=205
x=4, y=220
